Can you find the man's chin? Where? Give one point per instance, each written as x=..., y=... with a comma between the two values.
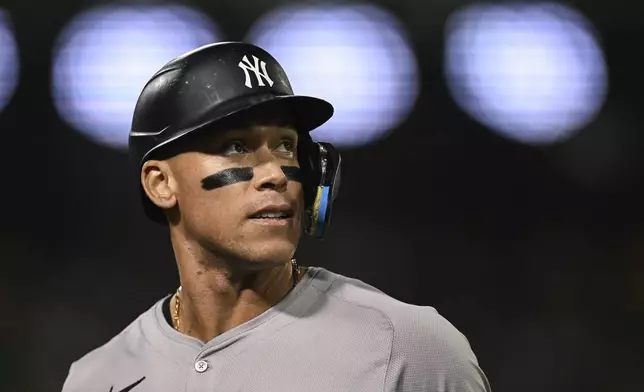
x=271, y=252
x=272, y=243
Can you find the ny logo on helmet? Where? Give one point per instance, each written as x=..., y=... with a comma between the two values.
x=261, y=75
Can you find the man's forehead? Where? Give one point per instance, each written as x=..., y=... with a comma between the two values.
x=258, y=129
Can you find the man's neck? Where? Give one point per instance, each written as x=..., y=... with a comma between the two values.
x=212, y=302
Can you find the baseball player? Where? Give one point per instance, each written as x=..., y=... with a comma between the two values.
x=222, y=149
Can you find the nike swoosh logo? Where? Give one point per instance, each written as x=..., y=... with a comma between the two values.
x=129, y=388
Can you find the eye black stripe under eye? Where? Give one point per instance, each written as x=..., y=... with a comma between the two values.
x=227, y=177
x=293, y=173
x=241, y=174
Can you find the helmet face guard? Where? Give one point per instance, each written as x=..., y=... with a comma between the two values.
x=218, y=85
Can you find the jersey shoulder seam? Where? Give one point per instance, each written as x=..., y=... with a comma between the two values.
x=383, y=314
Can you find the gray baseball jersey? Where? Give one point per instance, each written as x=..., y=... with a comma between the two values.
x=329, y=334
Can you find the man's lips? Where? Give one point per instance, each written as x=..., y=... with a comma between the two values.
x=273, y=211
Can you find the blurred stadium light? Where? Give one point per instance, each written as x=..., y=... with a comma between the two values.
x=105, y=56
x=532, y=73
x=356, y=56
x=9, y=63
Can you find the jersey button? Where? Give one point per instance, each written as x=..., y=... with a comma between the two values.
x=201, y=366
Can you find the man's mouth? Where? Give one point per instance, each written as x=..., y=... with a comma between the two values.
x=274, y=212
x=272, y=215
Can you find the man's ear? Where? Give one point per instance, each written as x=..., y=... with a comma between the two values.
x=158, y=184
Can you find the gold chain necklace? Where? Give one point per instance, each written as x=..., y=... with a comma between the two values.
x=177, y=302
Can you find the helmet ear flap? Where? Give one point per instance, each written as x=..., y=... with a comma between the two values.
x=308, y=156
x=320, y=164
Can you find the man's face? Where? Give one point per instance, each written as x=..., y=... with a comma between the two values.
x=233, y=195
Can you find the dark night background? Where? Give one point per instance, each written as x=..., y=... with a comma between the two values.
x=534, y=252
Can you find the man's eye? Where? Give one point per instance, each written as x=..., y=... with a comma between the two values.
x=234, y=147
x=286, y=146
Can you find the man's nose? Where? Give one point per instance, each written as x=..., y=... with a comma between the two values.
x=268, y=173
